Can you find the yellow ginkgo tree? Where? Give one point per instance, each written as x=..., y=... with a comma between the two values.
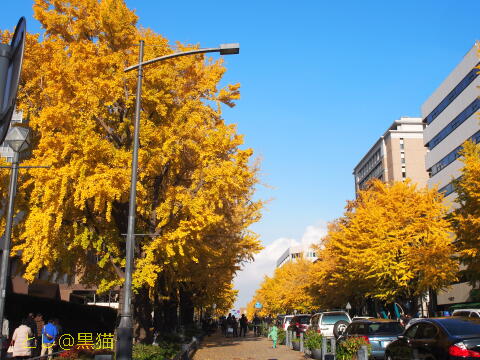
x=393, y=243
x=285, y=292
x=195, y=183
x=466, y=217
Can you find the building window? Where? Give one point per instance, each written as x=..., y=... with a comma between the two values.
x=402, y=160
x=447, y=189
x=462, y=85
x=447, y=130
x=451, y=157
x=377, y=172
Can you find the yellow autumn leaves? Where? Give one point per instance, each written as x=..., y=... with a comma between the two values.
x=393, y=242
x=195, y=184
x=466, y=218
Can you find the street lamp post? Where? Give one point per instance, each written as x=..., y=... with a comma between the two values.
x=125, y=327
x=18, y=138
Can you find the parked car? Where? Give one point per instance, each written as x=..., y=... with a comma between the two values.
x=330, y=323
x=378, y=332
x=450, y=338
x=286, y=321
x=300, y=323
x=474, y=313
x=355, y=318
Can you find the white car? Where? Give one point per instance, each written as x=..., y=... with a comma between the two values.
x=355, y=318
x=330, y=323
x=286, y=321
x=473, y=313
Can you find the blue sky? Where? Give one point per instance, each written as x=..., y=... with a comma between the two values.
x=321, y=81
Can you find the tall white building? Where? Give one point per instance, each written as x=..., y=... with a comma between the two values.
x=296, y=252
x=451, y=117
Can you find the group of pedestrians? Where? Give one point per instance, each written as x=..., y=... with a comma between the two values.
x=34, y=337
x=230, y=325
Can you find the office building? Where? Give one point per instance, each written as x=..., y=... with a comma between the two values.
x=398, y=154
x=451, y=117
x=296, y=252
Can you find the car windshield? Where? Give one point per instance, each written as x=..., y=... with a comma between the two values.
x=458, y=327
x=393, y=328
x=303, y=319
x=461, y=313
x=330, y=319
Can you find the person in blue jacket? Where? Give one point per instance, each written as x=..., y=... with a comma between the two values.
x=49, y=334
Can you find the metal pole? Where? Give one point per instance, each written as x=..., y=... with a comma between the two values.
x=8, y=235
x=4, y=62
x=125, y=328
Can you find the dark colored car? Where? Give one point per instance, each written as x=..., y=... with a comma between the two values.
x=300, y=323
x=378, y=332
x=451, y=338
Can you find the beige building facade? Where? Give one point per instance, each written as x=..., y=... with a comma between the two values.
x=397, y=155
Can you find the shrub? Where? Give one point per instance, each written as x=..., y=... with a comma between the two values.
x=313, y=340
x=281, y=336
x=164, y=350
x=348, y=349
x=81, y=352
x=264, y=329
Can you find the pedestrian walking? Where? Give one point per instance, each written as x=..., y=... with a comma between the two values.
x=235, y=326
x=256, y=325
x=273, y=334
x=22, y=341
x=31, y=323
x=59, y=327
x=229, y=325
x=49, y=334
x=5, y=336
x=243, y=325
x=38, y=335
x=223, y=325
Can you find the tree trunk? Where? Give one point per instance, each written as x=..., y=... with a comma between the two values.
x=142, y=315
x=186, y=307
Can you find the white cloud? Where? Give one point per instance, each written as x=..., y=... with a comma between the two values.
x=249, y=279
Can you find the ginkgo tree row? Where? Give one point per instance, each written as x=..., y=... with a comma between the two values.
x=195, y=181
x=394, y=243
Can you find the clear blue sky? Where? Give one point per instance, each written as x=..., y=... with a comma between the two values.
x=321, y=81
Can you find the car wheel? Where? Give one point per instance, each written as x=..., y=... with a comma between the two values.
x=339, y=328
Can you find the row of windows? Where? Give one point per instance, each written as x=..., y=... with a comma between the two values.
x=451, y=157
x=462, y=85
x=447, y=189
x=447, y=130
x=377, y=172
x=369, y=165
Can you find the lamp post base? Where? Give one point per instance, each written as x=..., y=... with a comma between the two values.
x=124, y=342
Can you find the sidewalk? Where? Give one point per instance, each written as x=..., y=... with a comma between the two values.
x=217, y=347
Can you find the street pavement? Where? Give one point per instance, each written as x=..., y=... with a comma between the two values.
x=217, y=347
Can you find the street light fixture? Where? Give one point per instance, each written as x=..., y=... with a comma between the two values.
x=18, y=138
x=125, y=327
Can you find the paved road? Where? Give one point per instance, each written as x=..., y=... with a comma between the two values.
x=216, y=347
